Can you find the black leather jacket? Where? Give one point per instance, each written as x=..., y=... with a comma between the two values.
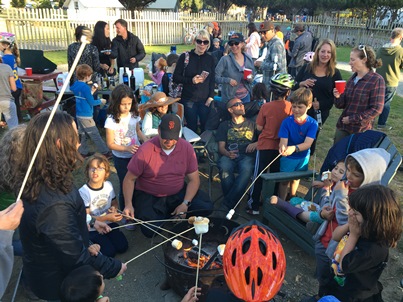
x=123, y=50
x=54, y=236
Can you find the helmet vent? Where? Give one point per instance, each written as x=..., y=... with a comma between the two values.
x=253, y=289
x=259, y=276
x=247, y=276
x=262, y=247
x=233, y=258
x=246, y=245
x=274, y=257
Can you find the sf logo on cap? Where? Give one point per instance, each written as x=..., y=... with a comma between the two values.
x=171, y=125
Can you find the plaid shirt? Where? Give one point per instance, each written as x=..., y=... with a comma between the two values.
x=274, y=47
x=361, y=102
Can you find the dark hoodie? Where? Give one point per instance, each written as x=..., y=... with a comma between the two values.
x=392, y=62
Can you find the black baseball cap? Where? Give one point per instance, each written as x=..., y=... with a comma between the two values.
x=170, y=126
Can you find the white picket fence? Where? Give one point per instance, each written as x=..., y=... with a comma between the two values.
x=50, y=29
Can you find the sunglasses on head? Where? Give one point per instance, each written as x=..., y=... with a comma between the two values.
x=362, y=47
x=204, y=42
x=237, y=104
x=233, y=43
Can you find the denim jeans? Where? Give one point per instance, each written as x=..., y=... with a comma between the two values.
x=195, y=111
x=389, y=94
x=9, y=110
x=87, y=126
x=233, y=187
x=121, y=169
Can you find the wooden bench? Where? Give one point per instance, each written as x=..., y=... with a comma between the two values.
x=295, y=229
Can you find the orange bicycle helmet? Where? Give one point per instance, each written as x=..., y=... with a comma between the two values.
x=254, y=262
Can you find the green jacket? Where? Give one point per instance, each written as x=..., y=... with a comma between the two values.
x=392, y=62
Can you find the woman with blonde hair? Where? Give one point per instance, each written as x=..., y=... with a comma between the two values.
x=320, y=75
x=195, y=70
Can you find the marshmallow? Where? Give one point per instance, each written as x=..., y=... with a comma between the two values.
x=221, y=249
x=177, y=244
x=201, y=225
x=230, y=214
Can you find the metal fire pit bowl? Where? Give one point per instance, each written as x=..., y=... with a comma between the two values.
x=180, y=276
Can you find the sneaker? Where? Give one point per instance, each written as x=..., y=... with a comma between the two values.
x=129, y=226
x=252, y=212
x=384, y=127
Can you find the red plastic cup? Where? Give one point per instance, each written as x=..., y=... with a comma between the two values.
x=28, y=71
x=246, y=72
x=340, y=86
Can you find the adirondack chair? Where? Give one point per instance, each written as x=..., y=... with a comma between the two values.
x=295, y=229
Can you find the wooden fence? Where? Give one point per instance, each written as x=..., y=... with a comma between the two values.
x=49, y=29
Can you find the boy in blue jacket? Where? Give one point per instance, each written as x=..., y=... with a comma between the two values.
x=85, y=103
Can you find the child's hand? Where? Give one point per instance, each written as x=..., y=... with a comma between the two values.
x=132, y=148
x=190, y=295
x=288, y=150
x=114, y=217
x=102, y=227
x=327, y=183
x=353, y=224
x=327, y=213
x=122, y=269
x=94, y=249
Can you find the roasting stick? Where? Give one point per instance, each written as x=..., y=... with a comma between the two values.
x=198, y=264
x=142, y=222
x=161, y=243
x=313, y=174
x=85, y=39
x=232, y=211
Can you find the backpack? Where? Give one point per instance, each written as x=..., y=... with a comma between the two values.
x=175, y=89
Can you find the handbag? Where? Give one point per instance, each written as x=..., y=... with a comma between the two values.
x=175, y=89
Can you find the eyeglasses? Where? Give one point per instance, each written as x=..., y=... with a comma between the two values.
x=98, y=169
x=233, y=43
x=263, y=32
x=362, y=47
x=237, y=104
x=204, y=42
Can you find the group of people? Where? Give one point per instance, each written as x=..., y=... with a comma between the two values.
x=152, y=168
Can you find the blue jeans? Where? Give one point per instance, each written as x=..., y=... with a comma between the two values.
x=233, y=187
x=121, y=169
x=389, y=94
x=246, y=99
x=195, y=111
x=112, y=242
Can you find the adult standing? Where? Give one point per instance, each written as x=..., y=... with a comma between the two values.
x=302, y=45
x=253, y=42
x=275, y=60
x=198, y=79
x=53, y=228
x=230, y=72
x=242, y=133
x=279, y=33
x=90, y=54
x=101, y=39
x=127, y=49
x=320, y=76
x=391, y=55
x=7, y=104
x=364, y=95
x=158, y=171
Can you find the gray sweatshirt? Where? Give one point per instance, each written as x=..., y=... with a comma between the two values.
x=6, y=259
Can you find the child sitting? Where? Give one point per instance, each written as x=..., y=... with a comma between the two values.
x=297, y=134
x=84, y=283
x=156, y=77
x=375, y=225
x=85, y=103
x=167, y=77
x=308, y=211
x=360, y=171
x=100, y=202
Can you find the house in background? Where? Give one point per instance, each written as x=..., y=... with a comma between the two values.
x=164, y=6
x=92, y=9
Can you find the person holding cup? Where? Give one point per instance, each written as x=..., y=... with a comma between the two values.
x=363, y=98
x=237, y=142
x=235, y=72
x=320, y=75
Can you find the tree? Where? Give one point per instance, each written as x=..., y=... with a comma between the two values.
x=193, y=7
x=136, y=4
x=222, y=6
x=17, y=3
x=187, y=4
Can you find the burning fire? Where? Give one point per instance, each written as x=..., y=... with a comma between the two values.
x=191, y=259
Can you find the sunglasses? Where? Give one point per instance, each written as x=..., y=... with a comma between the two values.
x=204, y=42
x=237, y=104
x=362, y=47
x=263, y=32
x=233, y=43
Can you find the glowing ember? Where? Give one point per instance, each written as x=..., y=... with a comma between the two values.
x=190, y=255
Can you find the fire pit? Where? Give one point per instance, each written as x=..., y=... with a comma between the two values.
x=181, y=265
